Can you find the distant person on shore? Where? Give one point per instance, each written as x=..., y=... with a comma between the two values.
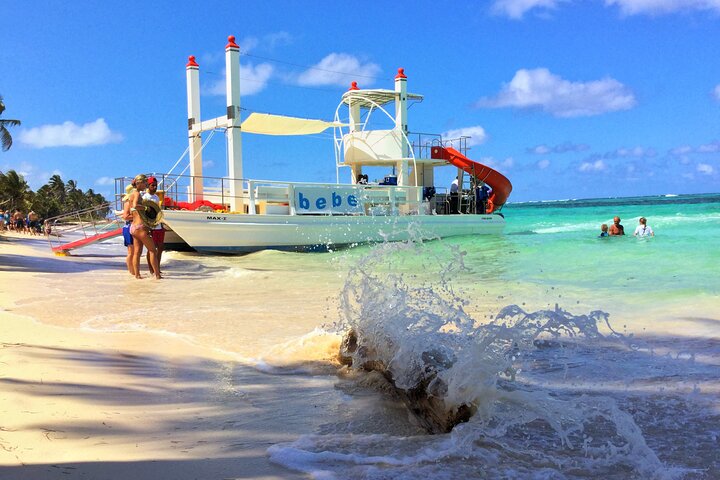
x=139, y=231
x=616, y=228
x=642, y=230
x=2, y=220
x=158, y=232
x=604, y=230
x=33, y=223
x=18, y=222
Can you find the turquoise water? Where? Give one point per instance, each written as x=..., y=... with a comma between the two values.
x=612, y=344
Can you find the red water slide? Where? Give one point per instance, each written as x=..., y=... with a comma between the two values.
x=501, y=186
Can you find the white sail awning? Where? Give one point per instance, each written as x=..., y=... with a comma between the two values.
x=267, y=124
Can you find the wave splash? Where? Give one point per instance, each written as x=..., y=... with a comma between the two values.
x=509, y=371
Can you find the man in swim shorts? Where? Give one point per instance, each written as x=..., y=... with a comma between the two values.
x=616, y=228
x=158, y=232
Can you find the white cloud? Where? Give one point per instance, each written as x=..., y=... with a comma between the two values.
x=541, y=89
x=682, y=150
x=69, y=134
x=31, y=173
x=705, y=168
x=253, y=79
x=500, y=165
x=515, y=9
x=543, y=164
x=338, y=69
x=208, y=164
x=596, y=166
x=659, y=7
x=637, y=152
x=563, y=148
x=712, y=147
x=477, y=135
x=685, y=150
x=268, y=42
x=716, y=92
x=105, y=181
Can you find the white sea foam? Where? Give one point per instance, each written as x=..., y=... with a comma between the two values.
x=526, y=373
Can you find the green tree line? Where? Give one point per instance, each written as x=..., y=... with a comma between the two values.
x=54, y=198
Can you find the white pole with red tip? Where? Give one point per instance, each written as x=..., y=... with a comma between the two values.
x=192, y=72
x=355, y=123
x=234, y=136
x=401, y=125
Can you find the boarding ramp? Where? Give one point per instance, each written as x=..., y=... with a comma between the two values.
x=82, y=228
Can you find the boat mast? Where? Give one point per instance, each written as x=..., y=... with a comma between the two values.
x=234, y=137
x=192, y=73
x=355, y=125
x=402, y=126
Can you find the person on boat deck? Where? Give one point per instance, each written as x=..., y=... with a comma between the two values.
x=643, y=230
x=362, y=179
x=454, y=196
x=127, y=237
x=158, y=232
x=616, y=228
x=139, y=231
x=481, y=196
x=604, y=230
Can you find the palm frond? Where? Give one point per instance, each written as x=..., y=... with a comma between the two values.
x=5, y=139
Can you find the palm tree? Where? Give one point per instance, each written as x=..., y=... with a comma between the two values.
x=5, y=138
x=57, y=187
x=70, y=186
x=14, y=190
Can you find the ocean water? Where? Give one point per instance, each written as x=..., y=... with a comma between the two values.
x=583, y=357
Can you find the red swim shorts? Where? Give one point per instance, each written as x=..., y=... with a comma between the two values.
x=158, y=236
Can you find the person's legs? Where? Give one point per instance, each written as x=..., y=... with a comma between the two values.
x=158, y=237
x=144, y=236
x=137, y=253
x=137, y=250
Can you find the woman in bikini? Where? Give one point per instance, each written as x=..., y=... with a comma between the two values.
x=140, y=231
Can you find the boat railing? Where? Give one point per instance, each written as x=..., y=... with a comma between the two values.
x=422, y=143
x=272, y=197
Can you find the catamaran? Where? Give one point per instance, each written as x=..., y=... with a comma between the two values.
x=237, y=215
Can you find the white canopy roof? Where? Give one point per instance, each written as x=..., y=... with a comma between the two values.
x=267, y=124
x=371, y=97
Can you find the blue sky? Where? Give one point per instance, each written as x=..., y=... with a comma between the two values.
x=568, y=98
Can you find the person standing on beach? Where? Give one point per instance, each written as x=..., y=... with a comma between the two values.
x=158, y=232
x=616, y=228
x=128, y=240
x=642, y=230
x=139, y=231
x=18, y=222
x=33, y=223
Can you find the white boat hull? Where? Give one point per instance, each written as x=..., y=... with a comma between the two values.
x=241, y=233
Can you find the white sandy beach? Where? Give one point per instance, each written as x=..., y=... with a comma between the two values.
x=76, y=403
